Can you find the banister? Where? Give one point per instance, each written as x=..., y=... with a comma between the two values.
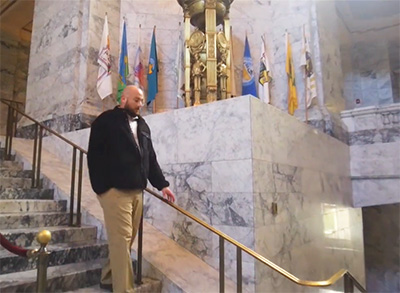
x=45, y=127
x=11, y=101
x=328, y=282
x=324, y=283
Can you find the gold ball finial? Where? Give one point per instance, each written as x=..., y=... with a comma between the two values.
x=43, y=237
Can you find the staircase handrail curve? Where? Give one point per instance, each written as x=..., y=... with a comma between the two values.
x=328, y=282
x=15, y=249
x=324, y=283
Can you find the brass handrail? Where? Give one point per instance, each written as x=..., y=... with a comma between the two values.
x=11, y=101
x=349, y=278
x=45, y=127
x=37, y=151
x=328, y=282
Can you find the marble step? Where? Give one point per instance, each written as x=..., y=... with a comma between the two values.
x=26, y=193
x=32, y=220
x=7, y=173
x=59, y=278
x=10, y=165
x=148, y=286
x=6, y=182
x=61, y=254
x=11, y=206
x=59, y=234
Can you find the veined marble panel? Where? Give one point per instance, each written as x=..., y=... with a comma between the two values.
x=375, y=191
x=280, y=139
x=217, y=182
x=203, y=134
x=375, y=159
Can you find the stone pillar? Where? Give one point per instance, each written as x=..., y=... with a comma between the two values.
x=63, y=68
x=14, y=69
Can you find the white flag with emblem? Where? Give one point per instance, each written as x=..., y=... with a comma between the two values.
x=104, y=85
x=306, y=62
x=264, y=77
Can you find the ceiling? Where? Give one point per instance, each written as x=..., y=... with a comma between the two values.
x=16, y=18
x=369, y=15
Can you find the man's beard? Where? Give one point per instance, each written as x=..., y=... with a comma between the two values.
x=130, y=113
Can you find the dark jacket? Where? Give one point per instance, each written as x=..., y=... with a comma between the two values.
x=114, y=159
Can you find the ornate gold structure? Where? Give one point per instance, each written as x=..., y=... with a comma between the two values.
x=207, y=52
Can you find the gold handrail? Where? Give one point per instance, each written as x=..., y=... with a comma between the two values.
x=45, y=127
x=328, y=282
x=11, y=101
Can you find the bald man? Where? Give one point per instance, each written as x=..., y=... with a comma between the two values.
x=120, y=159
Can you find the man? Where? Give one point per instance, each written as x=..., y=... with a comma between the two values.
x=120, y=159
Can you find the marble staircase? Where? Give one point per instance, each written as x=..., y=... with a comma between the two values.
x=76, y=253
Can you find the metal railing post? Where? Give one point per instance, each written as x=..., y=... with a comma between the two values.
x=34, y=156
x=239, y=269
x=78, y=203
x=43, y=238
x=140, y=253
x=348, y=284
x=8, y=134
x=39, y=158
x=221, y=265
x=71, y=202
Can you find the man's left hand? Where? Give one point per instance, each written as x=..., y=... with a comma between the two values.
x=168, y=194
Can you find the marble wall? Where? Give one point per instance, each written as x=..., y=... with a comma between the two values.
x=13, y=74
x=228, y=162
x=229, y=168
x=306, y=173
x=374, y=138
x=370, y=60
x=372, y=84
x=63, y=69
x=61, y=88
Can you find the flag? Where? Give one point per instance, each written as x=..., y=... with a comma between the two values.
x=104, y=85
x=232, y=75
x=264, y=78
x=123, y=65
x=152, y=74
x=180, y=68
x=292, y=96
x=248, y=81
x=305, y=61
x=138, y=66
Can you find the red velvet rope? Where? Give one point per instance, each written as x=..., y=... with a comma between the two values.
x=12, y=248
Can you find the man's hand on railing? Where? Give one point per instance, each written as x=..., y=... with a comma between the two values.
x=168, y=194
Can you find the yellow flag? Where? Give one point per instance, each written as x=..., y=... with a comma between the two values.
x=292, y=96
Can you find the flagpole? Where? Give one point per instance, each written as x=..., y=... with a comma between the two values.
x=305, y=98
x=305, y=78
x=177, y=99
x=154, y=102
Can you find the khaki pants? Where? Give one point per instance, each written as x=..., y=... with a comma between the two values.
x=122, y=213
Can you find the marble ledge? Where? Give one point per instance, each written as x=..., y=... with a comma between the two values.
x=370, y=110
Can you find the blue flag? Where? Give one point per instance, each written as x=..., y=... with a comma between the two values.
x=152, y=74
x=248, y=80
x=123, y=65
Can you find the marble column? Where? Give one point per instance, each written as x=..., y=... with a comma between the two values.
x=14, y=70
x=66, y=37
